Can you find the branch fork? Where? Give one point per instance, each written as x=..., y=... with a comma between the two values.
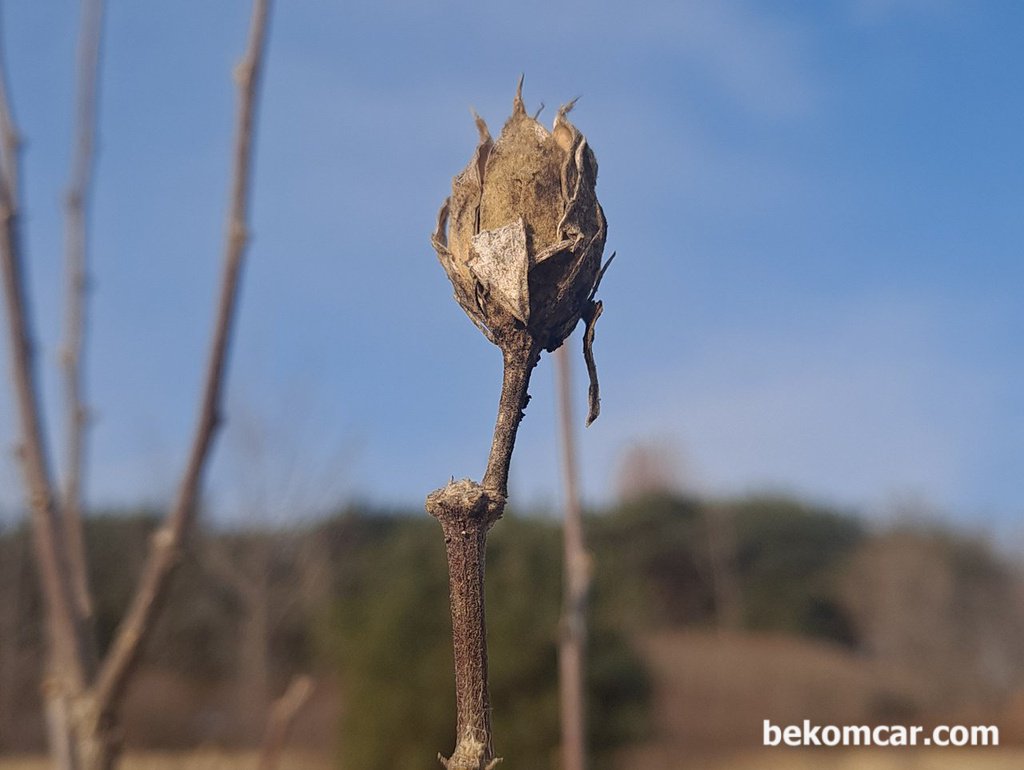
x=82, y=693
x=466, y=511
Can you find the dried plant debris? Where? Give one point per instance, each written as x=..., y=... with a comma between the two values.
x=522, y=235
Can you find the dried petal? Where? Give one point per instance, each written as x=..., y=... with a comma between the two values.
x=501, y=263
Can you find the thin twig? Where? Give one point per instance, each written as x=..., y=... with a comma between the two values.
x=520, y=354
x=137, y=623
x=76, y=276
x=66, y=675
x=576, y=585
x=10, y=143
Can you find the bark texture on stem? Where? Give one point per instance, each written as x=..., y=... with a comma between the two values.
x=466, y=511
x=520, y=354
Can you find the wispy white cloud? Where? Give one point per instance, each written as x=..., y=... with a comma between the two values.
x=856, y=405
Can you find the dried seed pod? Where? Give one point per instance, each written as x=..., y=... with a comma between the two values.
x=522, y=235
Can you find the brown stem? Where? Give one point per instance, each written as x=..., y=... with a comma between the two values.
x=520, y=354
x=76, y=413
x=466, y=511
x=65, y=675
x=137, y=622
x=576, y=582
x=81, y=725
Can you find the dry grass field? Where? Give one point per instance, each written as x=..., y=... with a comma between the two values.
x=975, y=759
x=863, y=760
x=711, y=694
x=978, y=759
x=202, y=759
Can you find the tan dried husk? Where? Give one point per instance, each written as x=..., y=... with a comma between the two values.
x=522, y=235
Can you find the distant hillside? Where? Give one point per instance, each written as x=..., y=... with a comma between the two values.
x=706, y=613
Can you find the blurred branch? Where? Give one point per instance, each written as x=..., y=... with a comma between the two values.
x=282, y=718
x=66, y=675
x=15, y=658
x=577, y=566
x=152, y=585
x=76, y=276
x=10, y=149
x=721, y=532
x=218, y=561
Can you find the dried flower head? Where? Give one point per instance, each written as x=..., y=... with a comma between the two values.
x=522, y=235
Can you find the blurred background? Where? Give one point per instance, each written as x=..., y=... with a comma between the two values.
x=803, y=492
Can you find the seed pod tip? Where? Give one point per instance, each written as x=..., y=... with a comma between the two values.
x=518, y=106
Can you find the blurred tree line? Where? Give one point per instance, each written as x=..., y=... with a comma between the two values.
x=360, y=600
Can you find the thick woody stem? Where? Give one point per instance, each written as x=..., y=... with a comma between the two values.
x=466, y=511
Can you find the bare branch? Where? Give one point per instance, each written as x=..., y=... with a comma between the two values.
x=10, y=145
x=466, y=511
x=137, y=623
x=65, y=636
x=76, y=276
x=282, y=718
x=577, y=569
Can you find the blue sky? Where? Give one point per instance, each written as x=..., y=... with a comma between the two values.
x=817, y=209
